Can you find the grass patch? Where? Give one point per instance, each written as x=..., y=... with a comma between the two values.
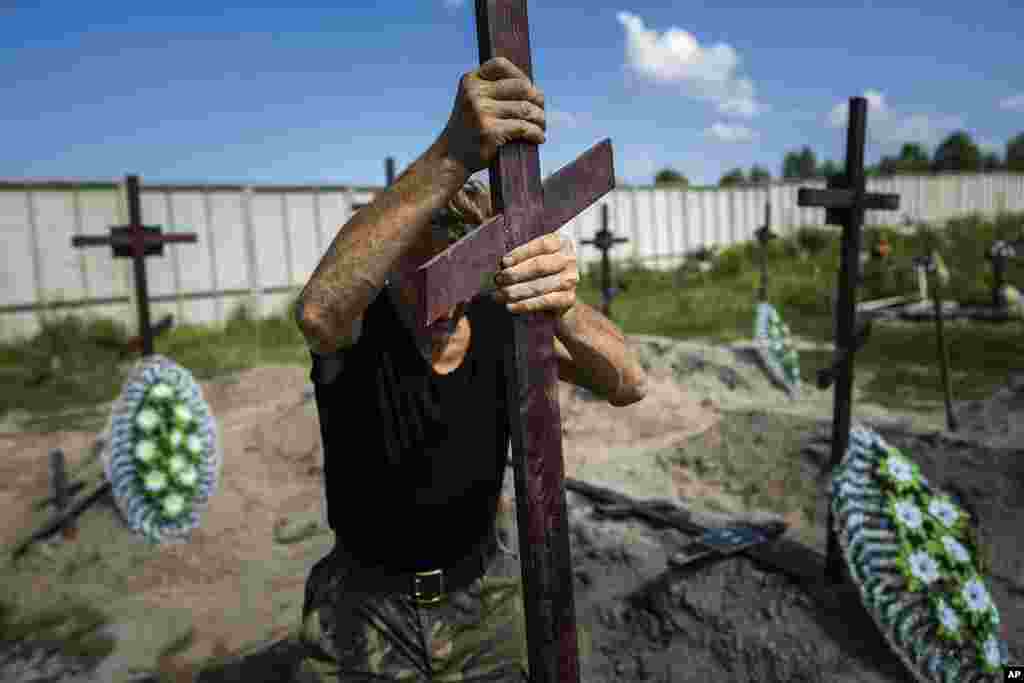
x=803, y=268
x=757, y=459
x=74, y=366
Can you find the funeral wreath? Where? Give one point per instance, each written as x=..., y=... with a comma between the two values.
x=161, y=458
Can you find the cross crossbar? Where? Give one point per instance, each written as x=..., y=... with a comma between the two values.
x=835, y=198
x=459, y=272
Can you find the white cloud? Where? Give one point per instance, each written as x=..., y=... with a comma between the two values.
x=675, y=57
x=727, y=133
x=886, y=126
x=1014, y=103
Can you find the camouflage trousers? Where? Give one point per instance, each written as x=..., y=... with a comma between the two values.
x=474, y=634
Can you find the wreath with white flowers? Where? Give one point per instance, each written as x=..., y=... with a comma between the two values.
x=161, y=456
x=914, y=556
x=775, y=348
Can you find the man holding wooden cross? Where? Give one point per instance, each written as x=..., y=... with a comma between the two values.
x=414, y=419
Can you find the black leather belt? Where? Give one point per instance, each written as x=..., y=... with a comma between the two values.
x=425, y=587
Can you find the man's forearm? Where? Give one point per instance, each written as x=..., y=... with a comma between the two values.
x=373, y=242
x=601, y=357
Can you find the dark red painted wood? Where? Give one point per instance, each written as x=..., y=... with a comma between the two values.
x=136, y=241
x=457, y=273
x=527, y=209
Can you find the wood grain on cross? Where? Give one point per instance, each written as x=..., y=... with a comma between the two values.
x=136, y=241
x=525, y=210
x=846, y=198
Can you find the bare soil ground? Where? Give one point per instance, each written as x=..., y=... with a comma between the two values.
x=712, y=434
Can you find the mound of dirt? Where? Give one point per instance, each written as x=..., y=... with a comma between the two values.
x=236, y=586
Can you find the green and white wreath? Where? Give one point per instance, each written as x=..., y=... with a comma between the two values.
x=161, y=456
x=775, y=348
x=913, y=554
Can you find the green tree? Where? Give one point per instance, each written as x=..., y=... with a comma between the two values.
x=670, y=176
x=759, y=175
x=791, y=166
x=799, y=165
x=913, y=159
x=732, y=178
x=1015, y=154
x=829, y=169
x=990, y=162
x=957, y=153
x=808, y=164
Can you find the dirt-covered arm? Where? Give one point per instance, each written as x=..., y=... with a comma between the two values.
x=370, y=246
x=594, y=354
x=495, y=104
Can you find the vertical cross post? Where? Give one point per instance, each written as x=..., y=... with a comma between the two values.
x=525, y=210
x=845, y=200
x=136, y=241
x=605, y=241
x=931, y=267
x=59, y=485
x=764, y=234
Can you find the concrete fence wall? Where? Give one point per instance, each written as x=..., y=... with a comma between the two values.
x=260, y=244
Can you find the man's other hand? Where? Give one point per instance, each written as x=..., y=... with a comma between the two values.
x=540, y=275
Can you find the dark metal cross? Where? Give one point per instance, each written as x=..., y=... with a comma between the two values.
x=764, y=234
x=527, y=209
x=605, y=241
x=1000, y=253
x=845, y=200
x=136, y=241
x=389, y=170
x=928, y=263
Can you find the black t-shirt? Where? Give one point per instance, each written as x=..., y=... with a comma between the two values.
x=413, y=460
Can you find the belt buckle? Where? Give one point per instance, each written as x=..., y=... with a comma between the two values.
x=427, y=596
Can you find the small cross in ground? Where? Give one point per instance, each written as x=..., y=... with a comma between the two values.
x=605, y=241
x=136, y=241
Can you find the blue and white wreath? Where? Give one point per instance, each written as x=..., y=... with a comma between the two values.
x=161, y=456
x=775, y=348
x=913, y=555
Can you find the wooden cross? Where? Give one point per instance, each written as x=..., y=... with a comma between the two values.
x=605, y=241
x=845, y=200
x=136, y=241
x=526, y=210
x=764, y=234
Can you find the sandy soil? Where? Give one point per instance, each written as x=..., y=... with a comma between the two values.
x=233, y=586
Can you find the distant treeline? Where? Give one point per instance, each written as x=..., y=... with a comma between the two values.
x=957, y=153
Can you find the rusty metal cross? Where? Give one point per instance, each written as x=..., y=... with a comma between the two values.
x=136, y=241
x=526, y=209
x=846, y=199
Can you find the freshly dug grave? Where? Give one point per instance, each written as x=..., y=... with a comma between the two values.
x=713, y=434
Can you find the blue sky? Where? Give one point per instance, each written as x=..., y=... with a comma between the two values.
x=210, y=92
